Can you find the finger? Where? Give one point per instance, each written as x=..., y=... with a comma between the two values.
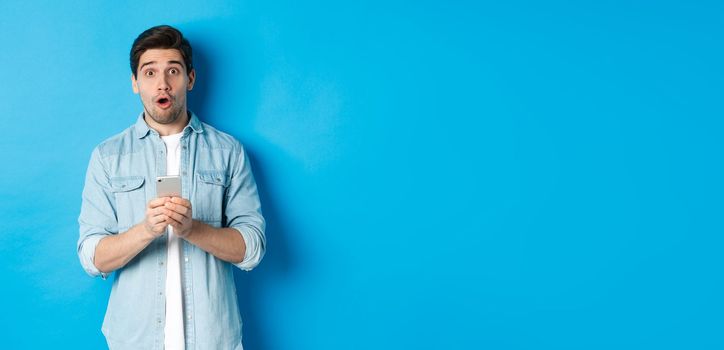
x=157, y=202
x=174, y=215
x=174, y=223
x=156, y=220
x=160, y=210
x=150, y=213
x=182, y=201
x=178, y=208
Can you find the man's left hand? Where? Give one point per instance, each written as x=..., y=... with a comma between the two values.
x=179, y=215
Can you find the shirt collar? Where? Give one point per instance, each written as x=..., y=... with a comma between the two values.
x=142, y=129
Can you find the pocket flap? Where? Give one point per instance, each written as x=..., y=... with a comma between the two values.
x=125, y=184
x=214, y=177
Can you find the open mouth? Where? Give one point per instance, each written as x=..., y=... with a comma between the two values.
x=164, y=102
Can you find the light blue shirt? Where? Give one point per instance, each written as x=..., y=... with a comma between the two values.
x=216, y=177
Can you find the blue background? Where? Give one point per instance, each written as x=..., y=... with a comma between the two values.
x=526, y=175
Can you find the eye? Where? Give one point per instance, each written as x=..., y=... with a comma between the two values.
x=173, y=71
x=149, y=73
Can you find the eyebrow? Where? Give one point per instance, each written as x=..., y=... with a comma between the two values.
x=154, y=62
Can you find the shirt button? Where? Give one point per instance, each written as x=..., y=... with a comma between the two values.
x=189, y=317
x=186, y=259
x=160, y=263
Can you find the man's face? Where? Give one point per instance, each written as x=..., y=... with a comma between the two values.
x=162, y=82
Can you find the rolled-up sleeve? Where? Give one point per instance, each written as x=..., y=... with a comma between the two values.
x=243, y=211
x=97, y=218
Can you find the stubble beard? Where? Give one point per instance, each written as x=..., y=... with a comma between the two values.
x=165, y=117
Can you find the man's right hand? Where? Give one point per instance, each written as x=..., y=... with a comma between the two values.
x=115, y=251
x=156, y=221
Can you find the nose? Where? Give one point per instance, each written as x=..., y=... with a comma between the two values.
x=163, y=84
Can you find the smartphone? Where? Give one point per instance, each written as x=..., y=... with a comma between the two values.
x=168, y=186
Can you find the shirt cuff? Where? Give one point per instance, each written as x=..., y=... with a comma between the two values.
x=252, y=255
x=88, y=252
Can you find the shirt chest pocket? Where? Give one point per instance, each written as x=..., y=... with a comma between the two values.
x=210, y=196
x=130, y=200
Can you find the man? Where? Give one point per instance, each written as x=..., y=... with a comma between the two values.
x=173, y=257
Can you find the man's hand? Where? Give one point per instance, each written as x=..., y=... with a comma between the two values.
x=156, y=219
x=178, y=214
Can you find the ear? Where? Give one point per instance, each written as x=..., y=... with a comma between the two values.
x=192, y=79
x=134, y=84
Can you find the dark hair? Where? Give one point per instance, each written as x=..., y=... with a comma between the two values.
x=161, y=37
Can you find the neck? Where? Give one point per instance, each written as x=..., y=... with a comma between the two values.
x=169, y=129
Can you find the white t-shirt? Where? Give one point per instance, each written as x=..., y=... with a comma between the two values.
x=174, y=327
